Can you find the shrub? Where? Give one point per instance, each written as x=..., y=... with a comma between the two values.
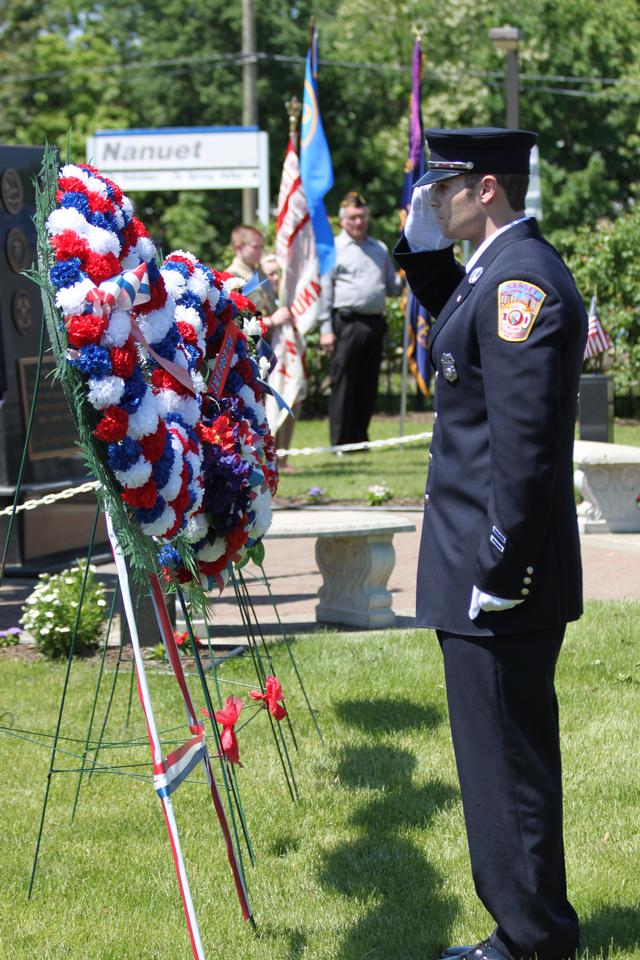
x=379, y=493
x=50, y=612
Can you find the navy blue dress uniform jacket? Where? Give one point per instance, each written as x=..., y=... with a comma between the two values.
x=499, y=503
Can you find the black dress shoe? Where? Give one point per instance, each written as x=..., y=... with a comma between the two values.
x=481, y=951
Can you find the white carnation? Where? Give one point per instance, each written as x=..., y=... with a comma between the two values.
x=160, y=526
x=118, y=330
x=136, y=476
x=145, y=420
x=105, y=391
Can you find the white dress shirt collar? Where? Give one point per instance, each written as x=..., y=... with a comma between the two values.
x=483, y=246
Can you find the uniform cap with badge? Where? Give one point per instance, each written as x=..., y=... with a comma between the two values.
x=476, y=150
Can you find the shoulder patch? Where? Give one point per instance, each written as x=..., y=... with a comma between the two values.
x=519, y=304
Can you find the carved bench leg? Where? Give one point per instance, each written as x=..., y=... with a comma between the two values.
x=355, y=573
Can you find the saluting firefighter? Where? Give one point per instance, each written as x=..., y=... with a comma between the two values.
x=499, y=572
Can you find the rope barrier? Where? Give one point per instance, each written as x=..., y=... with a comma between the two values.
x=91, y=485
x=350, y=447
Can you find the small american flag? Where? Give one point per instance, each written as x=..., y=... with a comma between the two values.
x=598, y=340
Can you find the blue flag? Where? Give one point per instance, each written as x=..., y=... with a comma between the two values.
x=316, y=170
x=416, y=316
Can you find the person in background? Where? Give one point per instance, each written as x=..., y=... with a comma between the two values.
x=248, y=248
x=499, y=573
x=352, y=320
x=271, y=269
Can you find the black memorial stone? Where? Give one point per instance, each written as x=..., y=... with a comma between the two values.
x=51, y=535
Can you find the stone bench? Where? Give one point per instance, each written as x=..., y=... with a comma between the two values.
x=355, y=555
x=607, y=476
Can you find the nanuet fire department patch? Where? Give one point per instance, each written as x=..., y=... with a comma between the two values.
x=519, y=304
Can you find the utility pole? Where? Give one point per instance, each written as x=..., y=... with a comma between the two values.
x=249, y=95
x=509, y=40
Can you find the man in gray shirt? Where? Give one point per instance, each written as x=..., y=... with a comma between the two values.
x=352, y=320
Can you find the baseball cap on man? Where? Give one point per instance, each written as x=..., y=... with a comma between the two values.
x=476, y=150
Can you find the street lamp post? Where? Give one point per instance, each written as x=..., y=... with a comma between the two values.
x=509, y=40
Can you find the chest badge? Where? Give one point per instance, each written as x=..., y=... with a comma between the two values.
x=449, y=369
x=475, y=275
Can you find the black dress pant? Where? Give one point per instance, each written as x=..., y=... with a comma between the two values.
x=504, y=724
x=354, y=374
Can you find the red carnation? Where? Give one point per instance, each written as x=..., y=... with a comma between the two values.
x=113, y=425
x=162, y=380
x=144, y=496
x=176, y=258
x=100, y=266
x=227, y=314
x=236, y=539
x=158, y=298
x=83, y=328
x=100, y=204
x=68, y=244
x=242, y=302
x=124, y=359
x=213, y=567
x=244, y=368
x=153, y=444
x=115, y=189
x=183, y=575
x=71, y=185
x=187, y=332
x=210, y=318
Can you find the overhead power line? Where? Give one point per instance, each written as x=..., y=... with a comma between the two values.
x=539, y=82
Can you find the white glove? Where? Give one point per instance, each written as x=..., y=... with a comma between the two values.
x=488, y=603
x=421, y=229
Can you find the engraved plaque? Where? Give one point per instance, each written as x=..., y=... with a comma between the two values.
x=54, y=433
x=17, y=250
x=11, y=191
x=21, y=312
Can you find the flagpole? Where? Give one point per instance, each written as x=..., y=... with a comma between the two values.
x=405, y=362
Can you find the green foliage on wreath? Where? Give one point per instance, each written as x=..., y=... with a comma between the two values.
x=72, y=601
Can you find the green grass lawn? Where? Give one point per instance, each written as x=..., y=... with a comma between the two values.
x=371, y=863
x=403, y=469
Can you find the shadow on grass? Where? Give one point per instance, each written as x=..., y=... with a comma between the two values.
x=402, y=911
x=388, y=715
x=616, y=927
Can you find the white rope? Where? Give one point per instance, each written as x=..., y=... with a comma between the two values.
x=50, y=498
x=348, y=447
x=90, y=486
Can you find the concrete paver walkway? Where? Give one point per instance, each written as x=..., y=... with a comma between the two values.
x=611, y=572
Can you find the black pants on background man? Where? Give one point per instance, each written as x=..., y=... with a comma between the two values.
x=354, y=374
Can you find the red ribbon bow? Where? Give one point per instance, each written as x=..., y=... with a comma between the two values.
x=227, y=718
x=270, y=697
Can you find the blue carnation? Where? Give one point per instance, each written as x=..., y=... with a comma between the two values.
x=180, y=268
x=189, y=299
x=148, y=516
x=234, y=382
x=167, y=346
x=242, y=348
x=153, y=270
x=104, y=220
x=168, y=556
x=123, y=455
x=66, y=273
x=77, y=201
x=93, y=360
x=193, y=355
x=162, y=467
x=134, y=390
